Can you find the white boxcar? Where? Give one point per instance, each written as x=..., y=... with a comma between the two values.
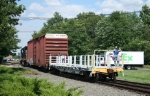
x=130, y=58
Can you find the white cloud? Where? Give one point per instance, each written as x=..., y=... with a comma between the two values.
x=52, y=6
x=36, y=7
x=32, y=15
x=53, y=2
x=132, y=2
x=148, y=2
x=132, y=5
x=73, y=10
x=108, y=6
x=68, y=11
x=112, y=4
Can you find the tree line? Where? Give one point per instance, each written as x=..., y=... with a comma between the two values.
x=86, y=32
x=89, y=31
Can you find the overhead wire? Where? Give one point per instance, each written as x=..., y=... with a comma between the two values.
x=116, y=28
x=45, y=18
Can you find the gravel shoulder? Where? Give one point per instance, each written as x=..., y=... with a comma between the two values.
x=90, y=89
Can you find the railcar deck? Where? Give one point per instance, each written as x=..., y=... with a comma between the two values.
x=85, y=65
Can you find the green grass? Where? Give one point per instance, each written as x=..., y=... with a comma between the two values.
x=12, y=82
x=142, y=76
x=144, y=67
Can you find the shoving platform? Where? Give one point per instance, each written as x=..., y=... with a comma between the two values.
x=88, y=65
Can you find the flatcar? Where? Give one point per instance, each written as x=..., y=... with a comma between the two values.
x=96, y=66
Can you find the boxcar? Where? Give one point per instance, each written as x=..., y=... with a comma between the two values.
x=39, y=49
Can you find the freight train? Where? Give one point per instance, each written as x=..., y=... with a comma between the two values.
x=50, y=52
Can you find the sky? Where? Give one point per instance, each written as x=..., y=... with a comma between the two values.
x=66, y=8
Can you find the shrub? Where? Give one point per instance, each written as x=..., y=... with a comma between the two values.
x=14, y=84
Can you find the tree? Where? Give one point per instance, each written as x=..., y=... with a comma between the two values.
x=145, y=14
x=144, y=42
x=9, y=11
x=145, y=17
x=51, y=24
x=141, y=45
x=118, y=29
x=89, y=20
x=35, y=35
x=79, y=41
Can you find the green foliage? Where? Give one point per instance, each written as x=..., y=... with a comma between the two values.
x=50, y=25
x=16, y=71
x=89, y=21
x=80, y=31
x=140, y=45
x=145, y=14
x=16, y=85
x=35, y=35
x=142, y=76
x=118, y=29
x=145, y=32
x=146, y=66
x=79, y=41
x=9, y=10
x=89, y=31
x=145, y=17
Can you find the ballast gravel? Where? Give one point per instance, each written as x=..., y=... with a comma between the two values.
x=90, y=89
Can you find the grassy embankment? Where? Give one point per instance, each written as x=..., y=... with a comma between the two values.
x=12, y=83
x=141, y=75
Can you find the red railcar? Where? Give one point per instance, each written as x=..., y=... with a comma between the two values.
x=39, y=49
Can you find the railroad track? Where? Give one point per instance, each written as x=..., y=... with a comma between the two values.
x=121, y=84
x=127, y=85
x=11, y=64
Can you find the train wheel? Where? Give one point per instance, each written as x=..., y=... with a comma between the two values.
x=86, y=74
x=58, y=72
x=113, y=77
x=25, y=64
x=104, y=78
x=54, y=71
x=100, y=77
x=97, y=77
x=45, y=69
x=94, y=78
x=22, y=63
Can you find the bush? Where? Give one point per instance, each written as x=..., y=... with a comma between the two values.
x=16, y=85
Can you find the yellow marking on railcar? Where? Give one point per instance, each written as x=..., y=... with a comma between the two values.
x=98, y=70
x=118, y=69
x=104, y=70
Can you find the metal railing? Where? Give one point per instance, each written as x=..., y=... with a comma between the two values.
x=83, y=61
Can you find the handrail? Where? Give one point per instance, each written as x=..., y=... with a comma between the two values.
x=83, y=60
